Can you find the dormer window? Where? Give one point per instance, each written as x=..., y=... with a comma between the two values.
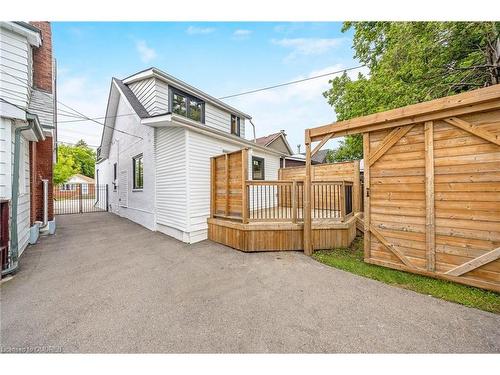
x=186, y=105
x=235, y=125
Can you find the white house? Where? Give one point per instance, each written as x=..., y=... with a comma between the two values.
x=78, y=179
x=27, y=133
x=155, y=152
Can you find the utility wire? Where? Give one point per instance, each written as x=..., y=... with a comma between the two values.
x=291, y=82
x=79, y=117
x=69, y=107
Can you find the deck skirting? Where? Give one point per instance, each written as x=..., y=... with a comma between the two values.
x=266, y=236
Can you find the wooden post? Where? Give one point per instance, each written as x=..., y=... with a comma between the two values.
x=294, y=201
x=356, y=193
x=342, y=201
x=366, y=194
x=244, y=193
x=213, y=191
x=430, y=227
x=308, y=249
x=227, y=185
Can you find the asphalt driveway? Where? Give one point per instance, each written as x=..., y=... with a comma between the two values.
x=105, y=284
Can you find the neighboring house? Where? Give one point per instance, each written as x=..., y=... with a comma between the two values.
x=155, y=152
x=87, y=185
x=27, y=131
x=278, y=142
x=318, y=158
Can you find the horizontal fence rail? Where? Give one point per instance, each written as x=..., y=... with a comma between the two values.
x=80, y=198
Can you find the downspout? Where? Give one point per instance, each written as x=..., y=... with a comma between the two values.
x=253, y=125
x=14, y=241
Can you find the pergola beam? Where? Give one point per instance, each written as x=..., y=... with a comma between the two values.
x=483, y=99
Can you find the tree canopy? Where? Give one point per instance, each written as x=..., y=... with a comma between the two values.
x=72, y=160
x=412, y=62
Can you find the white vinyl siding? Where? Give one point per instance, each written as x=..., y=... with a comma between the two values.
x=171, y=178
x=5, y=157
x=140, y=204
x=200, y=148
x=217, y=118
x=6, y=172
x=15, y=52
x=271, y=167
x=271, y=164
x=221, y=120
x=152, y=94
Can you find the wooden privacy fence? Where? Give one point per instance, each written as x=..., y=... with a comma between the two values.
x=228, y=177
x=432, y=186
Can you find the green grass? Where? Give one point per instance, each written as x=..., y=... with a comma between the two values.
x=351, y=260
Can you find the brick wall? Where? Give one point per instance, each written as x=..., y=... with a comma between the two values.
x=41, y=168
x=42, y=58
x=41, y=153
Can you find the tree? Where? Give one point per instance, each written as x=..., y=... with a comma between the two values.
x=72, y=160
x=412, y=62
x=64, y=168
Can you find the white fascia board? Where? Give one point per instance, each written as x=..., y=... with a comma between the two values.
x=33, y=37
x=181, y=85
x=12, y=111
x=179, y=121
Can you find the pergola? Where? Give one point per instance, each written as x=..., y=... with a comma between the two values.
x=471, y=119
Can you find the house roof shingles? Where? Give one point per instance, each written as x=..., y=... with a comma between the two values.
x=264, y=141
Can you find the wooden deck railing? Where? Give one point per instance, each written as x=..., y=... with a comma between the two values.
x=274, y=200
x=234, y=197
x=331, y=199
x=283, y=201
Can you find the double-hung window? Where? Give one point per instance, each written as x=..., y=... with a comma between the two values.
x=257, y=168
x=138, y=172
x=235, y=125
x=186, y=105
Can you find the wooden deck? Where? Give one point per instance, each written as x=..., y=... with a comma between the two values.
x=251, y=215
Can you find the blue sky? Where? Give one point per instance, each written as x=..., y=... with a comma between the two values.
x=219, y=58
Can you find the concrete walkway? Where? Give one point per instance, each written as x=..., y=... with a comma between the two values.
x=105, y=284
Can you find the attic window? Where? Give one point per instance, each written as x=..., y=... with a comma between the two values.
x=235, y=125
x=187, y=106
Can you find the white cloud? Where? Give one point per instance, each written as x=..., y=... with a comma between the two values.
x=308, y=46
x=194, y=30
x=292, y=108
x=242, y=34
x=145, y=53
